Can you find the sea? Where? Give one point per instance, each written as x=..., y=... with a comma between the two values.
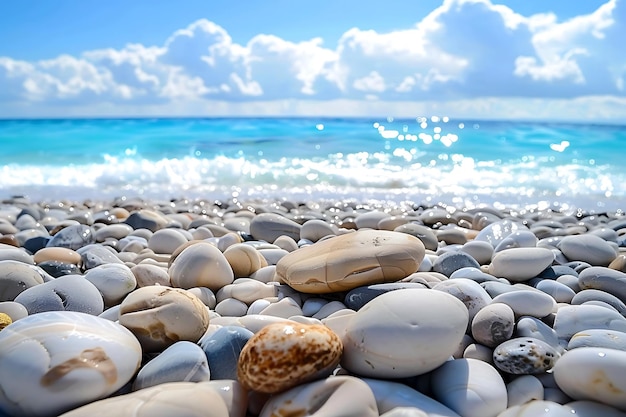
x=424, y=160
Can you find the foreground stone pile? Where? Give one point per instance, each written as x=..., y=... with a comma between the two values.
x=197, y=308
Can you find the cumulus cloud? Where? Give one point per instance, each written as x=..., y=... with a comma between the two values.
x=463, y=50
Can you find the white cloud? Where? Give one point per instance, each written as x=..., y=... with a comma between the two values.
x=463, y=51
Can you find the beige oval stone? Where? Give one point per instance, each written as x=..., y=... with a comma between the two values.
x=283, y=355
x=160, y=316
x=351, y=260
x=246, y=290
x=64, y=255
x=244, y=259
x=201, y=265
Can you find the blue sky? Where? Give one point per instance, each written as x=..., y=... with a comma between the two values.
x=465, y=58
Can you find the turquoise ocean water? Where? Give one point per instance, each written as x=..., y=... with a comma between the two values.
x=421, y=160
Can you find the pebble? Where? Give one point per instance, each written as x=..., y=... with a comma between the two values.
x=573, y=319
x=222, y=350
x=592, y=373
x=114, y=281
x=520, y=264
x=450, y=262
x=325, y=398
x=160, y=316
x=270, y=226
x=56, y=361
x=470, y=387
x=404, y=333
x=351, y=260
x=604, y=279
x=16, y=277
x=73, y=237
x=523, y=389
x=493, y=324
x=283, y=355
x=602, y=338
x=527, y=302
x=525, y=355
x=423, y=233
x=67, y=293
x=201, y=265
x=587, y=248
x=95, y=255
x=189, y=399
x=181, y=362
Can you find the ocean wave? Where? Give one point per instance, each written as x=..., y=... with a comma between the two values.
x=362, y=175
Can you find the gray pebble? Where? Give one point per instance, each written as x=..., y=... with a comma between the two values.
x=524, y=356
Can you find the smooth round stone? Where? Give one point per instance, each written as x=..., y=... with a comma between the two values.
x=238, y=224
x=619, y=263
x=370, y=219
x=587, y=248
x=591, y=373
x=314, y=230
x=404, y=333
x=452, y=236
x=404, y=412
x=470, y=387
x=602, y=338
x=313, y=305
x=478, y=352
x=527, y=302
x=518, y=239
x=360, y=296
x=496, y=232
x=283, y=355
x=96, y=255
x=523, y=389
x=481, y=251
x=114, y=281
x=73, y=237
x=285, y=307
x=390, y=395
x=493, y=324
x=146, y=219
x=166, y=240
x=181, y=362
x=57, y=269
x=468, y=292
x=66, y=293
x=423, y=233
x=146, y=275
x=537, y=409
x=328, y=309
x=560, y=292
x=246, y=290
x=604, y=279
x=16, y=254
x=244, y=259
x=520, y=264
x=570, y=320
x=205, y=295
x=325, y=398
x=222, y=350
x=16, y=277
x=525, y=355
x=5, y=320
x=270, y=226
x=201, y=265
x=113, y=231
x=597, y=295
x=231, y=307
x=569, y=280
x=474, y=274
x=535, y=328
x=160, y=316
x=188, y=399
x=56, y=361
x=450, y=262
x=14, y=310
x=351, y=260
x=286, y=243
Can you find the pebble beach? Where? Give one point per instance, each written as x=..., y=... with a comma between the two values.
x=288, y=307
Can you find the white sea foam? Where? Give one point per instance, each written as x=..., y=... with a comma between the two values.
x=380, y=176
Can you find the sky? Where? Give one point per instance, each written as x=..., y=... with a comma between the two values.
x=506, y=59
